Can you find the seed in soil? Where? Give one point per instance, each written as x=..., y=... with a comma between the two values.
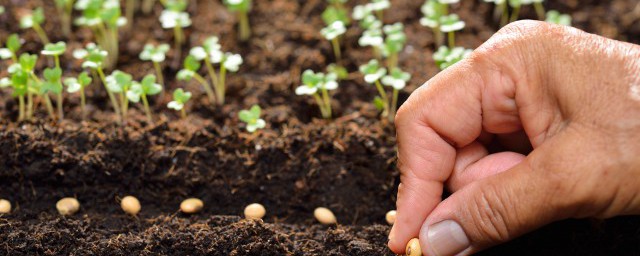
x=5, y=206
x=325, y=216
x=191, y=205
x=413, y=248
x=391, y=217
x=130, y=205
x=68, y=206
x=254, y=211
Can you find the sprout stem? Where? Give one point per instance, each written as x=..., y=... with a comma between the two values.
x=147, y=111
x=125, y=106
x=116, y=107
x=327, y=103
x=82, y=104
x=380, y=15
x=207, y=87
x=60, y=109
x=383, y=94
x=437, y=34
x=452, y=39
x=245, y=28
x=336, y=48
x=49, y=106
x=515, y=14
x=320, y=103
x=540, y=10
x=504, y=19
x=57, y=60
x=41, y=34
x=130, y=11
x=147, y=6
x=212, y=71
x=183, y=113
x=21, y=108
x=221, y=86
x=392, y=61
x=394, y=103
x=158, y=68
x=29, y=113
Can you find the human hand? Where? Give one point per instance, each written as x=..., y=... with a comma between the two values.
x=574, y=97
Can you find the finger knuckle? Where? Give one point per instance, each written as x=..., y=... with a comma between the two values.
x=490, y=213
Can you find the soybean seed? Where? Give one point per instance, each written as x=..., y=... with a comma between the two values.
x=413, y=248
x=130, y=205
x=5, y=206
x=68, y=206
x=391, y=217
x=254, y=211
x=325, y=216
x=191, y=205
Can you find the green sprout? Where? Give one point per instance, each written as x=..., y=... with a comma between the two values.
x=446, y=57
x=141, y=90
x=190, y=71
x=34, y=21
x=65, y=8
x=13, y=45
x=516, y=5
x=175, y=17
x=252, y=118
x=55, y=50
x=18, y=82
x=394, y=42
x=93, y=58
x=539, y=9
x=501, y=10
x=180, y=99
x=120, y=82
x=242, y=7
x=437, y=17
x=373, y=72
x=556, y=17
x=79, y=84
x=211, y=54
x=53, y=83
x=378, y=6
x=27, y=63
x=397, y=79
x=157, y=55
x=104, y=18
x=147, y=6
x=336, y=12
x=318, y=85
x=332, y=33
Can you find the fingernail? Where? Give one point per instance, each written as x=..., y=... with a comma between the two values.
x=446, y=238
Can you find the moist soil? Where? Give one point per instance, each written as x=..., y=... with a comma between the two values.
x=297, y=163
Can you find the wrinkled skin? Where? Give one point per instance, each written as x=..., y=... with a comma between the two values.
x=573, y=97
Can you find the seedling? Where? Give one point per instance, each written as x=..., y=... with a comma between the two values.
x=175, y=17
x=141, y=90
x=252, y=118
x=378, y=6
x=120, y=83
x=55, y=50
x=254, y=211
x=318, y=85
x=373, y=72
x=325, y=216
x=242, y=8
x=397, y=79
x=75, y=85
x=190, y=71
x=336, y=12
x=516, y=5
x=372, y=36
x=12, y=47
x=180, y=99
x=104, y=18
x=437, y=17
x=556, y=17
x=229, y=62
x=413, y=248
x=340, y=71
x=65, y=8
x=191, y=205
x=18, y=82
x=157, y=55
x=394, y=43
x=130, y=205
x=68, y=206
x=446, y=57
x=34, y=21
x=33, y=83
x=53, y=83
x=450, y=24
x=94, y=58
x=333, y=33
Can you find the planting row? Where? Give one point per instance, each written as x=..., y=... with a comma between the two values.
x=104, y=18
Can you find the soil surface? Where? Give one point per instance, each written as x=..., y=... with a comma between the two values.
x=294, y=165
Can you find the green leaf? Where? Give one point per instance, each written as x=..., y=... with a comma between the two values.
x=38, y=15
x=28, y=61
x=191, y=63
x=333, y=14
x=84, y=79
x=149, y=85
x=238, y=5
x=176, y=5
x=13, y=43
x=246, y=116
x=52, y=74
x=181, y=96
x=378, y=103
x=255, y=111
x=56, y=49
x=340, y=71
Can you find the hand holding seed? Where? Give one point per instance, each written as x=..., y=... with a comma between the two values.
x=563, y=104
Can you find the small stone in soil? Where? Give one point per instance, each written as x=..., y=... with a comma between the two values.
x=5, y=206
x=130, y=205
x=325, y=216
x=254, y=211
x=68, y=206
x=413, y=248
x=391, y=217
x=191, y=205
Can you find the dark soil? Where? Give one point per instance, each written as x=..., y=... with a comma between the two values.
x=296, y=164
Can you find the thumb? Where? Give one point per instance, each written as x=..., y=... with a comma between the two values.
x=501, y=207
